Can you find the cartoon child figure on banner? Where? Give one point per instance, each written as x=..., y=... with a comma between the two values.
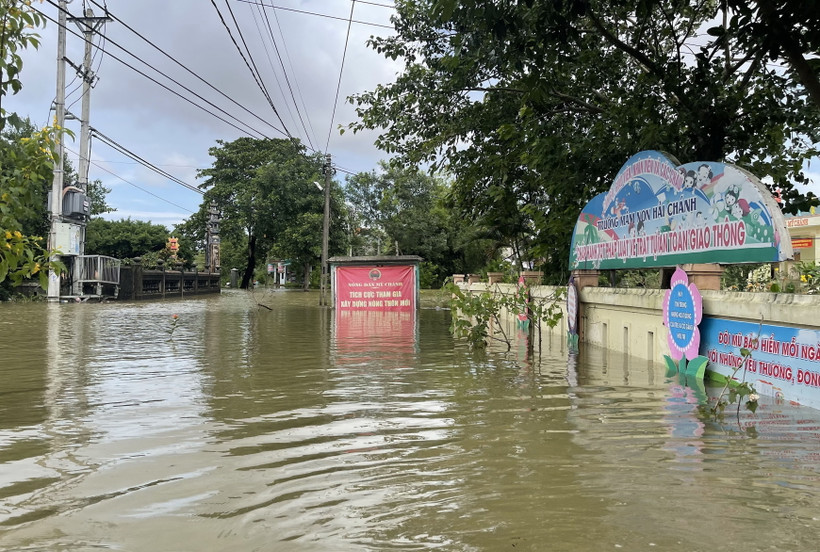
x=682, y=312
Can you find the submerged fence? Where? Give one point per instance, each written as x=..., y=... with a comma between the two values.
x=138, y=283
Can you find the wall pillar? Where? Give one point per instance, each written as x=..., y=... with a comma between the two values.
x=495, y=277
x=584, y=278
x=704, y=276
x=531, y=277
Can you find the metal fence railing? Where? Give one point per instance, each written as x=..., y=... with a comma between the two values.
x=99, y=269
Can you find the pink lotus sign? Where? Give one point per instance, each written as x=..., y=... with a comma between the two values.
x=682, y=312
x=368, y=288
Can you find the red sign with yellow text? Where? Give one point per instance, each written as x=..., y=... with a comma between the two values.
x=801, y=243
x=384, y=288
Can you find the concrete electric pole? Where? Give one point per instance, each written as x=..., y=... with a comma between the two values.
x=328, y=170
x=88, y=25
x=212, y=261
x=57, y=183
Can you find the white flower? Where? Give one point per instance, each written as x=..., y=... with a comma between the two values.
x=753, y=397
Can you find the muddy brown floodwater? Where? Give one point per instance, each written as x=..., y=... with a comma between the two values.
x=242, y=428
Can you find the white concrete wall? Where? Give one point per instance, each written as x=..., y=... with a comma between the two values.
x=630, y=321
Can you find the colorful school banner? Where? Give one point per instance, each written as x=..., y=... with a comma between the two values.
x=384, y=288
x=784, y=362
x=658, y=213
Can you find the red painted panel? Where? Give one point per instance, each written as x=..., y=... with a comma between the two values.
x=382, y=289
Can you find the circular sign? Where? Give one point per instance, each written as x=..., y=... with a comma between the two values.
x=572, y=306
x=681, y=316
x=682, y=312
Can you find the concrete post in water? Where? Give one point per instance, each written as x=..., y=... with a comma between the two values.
x=57, y=182
x=234, y=277
x=161, y=264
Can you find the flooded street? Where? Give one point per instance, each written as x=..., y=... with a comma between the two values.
x=238, y=427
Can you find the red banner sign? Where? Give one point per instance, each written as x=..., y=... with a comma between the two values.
x=799, y=243
x=384, y=288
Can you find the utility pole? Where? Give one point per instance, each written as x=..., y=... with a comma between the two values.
x=328, y=170
x=212, y=262
x=88, y=25
x=57, y=183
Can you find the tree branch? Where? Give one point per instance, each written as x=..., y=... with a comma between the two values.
x=791, y=49
x=624, y=47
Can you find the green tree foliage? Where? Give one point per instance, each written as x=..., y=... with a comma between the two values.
x=96, y=194
x=124, y=238
x=269, y=202
x=31, y=215
x=406, y=211
x=533, y=106
x=26, y=157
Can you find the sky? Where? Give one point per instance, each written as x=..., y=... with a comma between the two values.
x=165, y=129
x=162, y=127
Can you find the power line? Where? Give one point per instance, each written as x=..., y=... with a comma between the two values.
x=341, y=70
x=125, y=151
x=244, y=131
x=317, y=14
x=264, y=15
x=170, y=57
x=270, y=62
x=377, y=4
x=136, y=186
x=290, y=63
x=254, y=71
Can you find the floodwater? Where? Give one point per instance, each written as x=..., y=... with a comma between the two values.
x=240, y=427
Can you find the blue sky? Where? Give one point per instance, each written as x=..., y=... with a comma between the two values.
x=173, y=134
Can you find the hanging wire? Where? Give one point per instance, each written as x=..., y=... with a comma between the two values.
x=341, y=71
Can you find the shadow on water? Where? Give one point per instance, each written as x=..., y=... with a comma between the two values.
x=298, y=428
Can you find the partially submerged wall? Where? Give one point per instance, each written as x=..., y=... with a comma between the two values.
x=630, y=321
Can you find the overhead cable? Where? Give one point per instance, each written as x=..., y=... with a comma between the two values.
x=341, y=70
x=316, y=14
x=135, y=185
x=172, y=58
x=125, y=151
x=254, y=71
x=264, y=15
x=155, y=81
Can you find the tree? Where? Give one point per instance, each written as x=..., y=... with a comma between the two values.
x=26, y=161
x=533, y=106
x=96, y=194
x=783, y=30
x=300, y=222
x=406, y=210
x=268, y=201
x=124, y=238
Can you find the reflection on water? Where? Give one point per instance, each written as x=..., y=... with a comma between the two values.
x=297, y=428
